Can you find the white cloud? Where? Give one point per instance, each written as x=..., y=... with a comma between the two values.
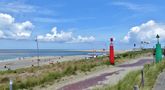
x=9, y=29
x=21, y=7
x=55, y=36
x=136, y=7
x=81, y=39
x=17, y=7
x=146, y=32
x=61, y=20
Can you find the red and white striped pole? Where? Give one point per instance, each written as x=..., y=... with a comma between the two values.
x=111, y=52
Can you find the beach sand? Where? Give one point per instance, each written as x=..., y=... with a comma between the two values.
x=33, y=61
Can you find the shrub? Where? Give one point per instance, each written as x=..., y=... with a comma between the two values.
x=69, y=71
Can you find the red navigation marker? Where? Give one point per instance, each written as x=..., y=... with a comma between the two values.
x=111, y=52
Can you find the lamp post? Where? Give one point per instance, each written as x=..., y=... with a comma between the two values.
x=134, y=45
x=141, y=45
x=38, y=59
x=104, y=43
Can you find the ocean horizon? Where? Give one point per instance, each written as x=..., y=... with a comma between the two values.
x=11, y=54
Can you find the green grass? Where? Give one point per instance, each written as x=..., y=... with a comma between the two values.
x=48, y=73
x=151, y=71
x=133, y=54
x=126, y=83
x=27, y=78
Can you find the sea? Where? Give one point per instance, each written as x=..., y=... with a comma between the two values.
x=12, y=54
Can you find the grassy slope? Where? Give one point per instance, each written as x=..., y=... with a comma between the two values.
x=151, y=71
x=27, y=78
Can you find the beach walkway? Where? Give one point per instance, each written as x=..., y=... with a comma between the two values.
x=110, y=76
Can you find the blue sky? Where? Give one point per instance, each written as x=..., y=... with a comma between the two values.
x=79, y=24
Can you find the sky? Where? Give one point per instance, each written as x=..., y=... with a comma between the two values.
x=80, y=24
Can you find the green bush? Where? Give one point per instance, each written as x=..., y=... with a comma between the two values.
x=69, y=70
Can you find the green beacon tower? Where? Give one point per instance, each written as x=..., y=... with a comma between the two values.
x=158, y=55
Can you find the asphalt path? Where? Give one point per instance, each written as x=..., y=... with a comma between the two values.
x=87, y=83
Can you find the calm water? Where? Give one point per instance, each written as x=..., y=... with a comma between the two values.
x=16, y=53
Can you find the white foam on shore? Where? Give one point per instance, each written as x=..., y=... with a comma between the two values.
x=5, y=60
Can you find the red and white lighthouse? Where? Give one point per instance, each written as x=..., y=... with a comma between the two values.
x=111, y=52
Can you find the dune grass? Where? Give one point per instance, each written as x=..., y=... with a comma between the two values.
x=125, y=84
x=133, y=54
x=27, y=78
x=151, y=71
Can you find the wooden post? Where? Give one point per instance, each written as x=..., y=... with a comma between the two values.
x=142, y=76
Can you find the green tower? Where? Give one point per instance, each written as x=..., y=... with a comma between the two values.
x=158, y=55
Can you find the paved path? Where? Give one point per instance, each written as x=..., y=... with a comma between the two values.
x=88, y=82
x=160, y=83
x=107, y=77
x=139, y=63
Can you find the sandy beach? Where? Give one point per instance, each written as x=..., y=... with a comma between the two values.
x=32, y=61
x=24, y=62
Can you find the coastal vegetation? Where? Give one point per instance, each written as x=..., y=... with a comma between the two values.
x=27, y=78
x=151, y=71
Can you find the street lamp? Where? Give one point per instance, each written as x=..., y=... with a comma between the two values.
x=38, y=59
x=141, y=44
x=134, y=46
